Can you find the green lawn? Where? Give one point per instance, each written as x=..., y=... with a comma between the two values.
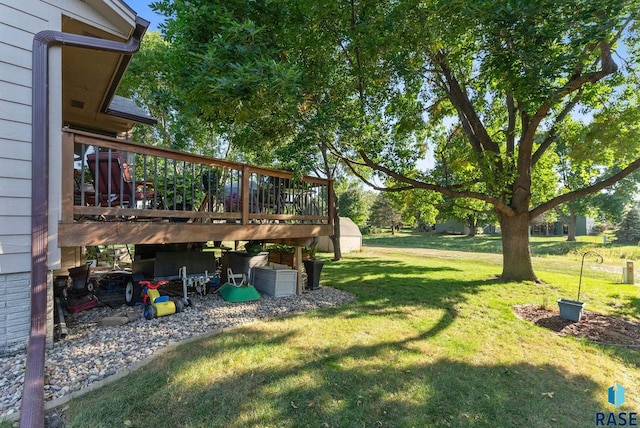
x=431, y=341
x=540, y=245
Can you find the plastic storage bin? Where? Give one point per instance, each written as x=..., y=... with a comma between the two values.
x=275, y=282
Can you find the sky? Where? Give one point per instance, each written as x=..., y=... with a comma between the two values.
x=143, y=10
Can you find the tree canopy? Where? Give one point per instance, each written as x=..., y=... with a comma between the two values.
x=485, y=88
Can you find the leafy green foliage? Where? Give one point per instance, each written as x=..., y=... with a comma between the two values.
x=610, y=204
x=485, y=87
x=579, y=165
x=355, y=204
x=149, y=82
x=383, y=214
x=418, y=207
x=629, y=229
x=232, y=68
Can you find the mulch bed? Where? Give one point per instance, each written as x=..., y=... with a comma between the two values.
x=599, y=328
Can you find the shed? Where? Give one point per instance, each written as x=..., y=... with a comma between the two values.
x=350, y=238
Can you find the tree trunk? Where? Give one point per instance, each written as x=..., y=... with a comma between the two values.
x=472, y=225
x=335, y=239
x=572, y=226
x=516, y=255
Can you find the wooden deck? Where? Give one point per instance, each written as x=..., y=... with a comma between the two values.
x=120, y=192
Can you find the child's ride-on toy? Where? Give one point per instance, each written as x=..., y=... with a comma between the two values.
x=156, y=305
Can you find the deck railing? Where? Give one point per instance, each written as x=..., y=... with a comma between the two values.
x=114, y=179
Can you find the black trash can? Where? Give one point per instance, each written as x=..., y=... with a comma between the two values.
x=313, y=269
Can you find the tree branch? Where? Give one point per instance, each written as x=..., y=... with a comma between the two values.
x=585, y=190
x=551, y=135
x=462, y=207
x=608, y=66
x=443, y=159
x=360, y=74
x=370, y=184
x=498, y=204
x=511, y=126
x=577, y=81
x=478, y=136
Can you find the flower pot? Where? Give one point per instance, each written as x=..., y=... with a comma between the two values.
x=570, y=309
x=288, y=259
x=313, y=269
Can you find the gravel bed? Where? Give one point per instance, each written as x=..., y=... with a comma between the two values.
x=91, y=352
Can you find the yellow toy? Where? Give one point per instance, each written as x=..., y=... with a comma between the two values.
x=156, y=305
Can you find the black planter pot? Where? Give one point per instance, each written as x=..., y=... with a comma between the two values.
x=313, y=269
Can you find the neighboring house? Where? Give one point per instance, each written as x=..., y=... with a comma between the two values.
x=452, y=227
x=584, y=226
x=350, y=238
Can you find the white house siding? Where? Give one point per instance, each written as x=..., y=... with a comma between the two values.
x=20, y=21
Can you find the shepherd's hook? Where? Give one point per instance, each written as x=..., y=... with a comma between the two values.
x=600, y=259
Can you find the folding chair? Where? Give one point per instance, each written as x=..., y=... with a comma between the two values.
x=232, y=277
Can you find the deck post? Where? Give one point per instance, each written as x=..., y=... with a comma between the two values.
x=67, y=178
x=299, y=269
x=245, y=194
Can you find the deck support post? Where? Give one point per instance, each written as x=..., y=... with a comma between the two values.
x=298, y=267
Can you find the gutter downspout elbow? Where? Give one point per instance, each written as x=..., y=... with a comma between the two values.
x=32, y=406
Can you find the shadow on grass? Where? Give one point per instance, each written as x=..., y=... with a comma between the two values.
x=320, y=391
x=393, y=382
x=397, y=282
x=631, y=308
x=393, y=288
x=389, y=382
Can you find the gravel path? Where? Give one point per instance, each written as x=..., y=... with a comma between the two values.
x=91, y=352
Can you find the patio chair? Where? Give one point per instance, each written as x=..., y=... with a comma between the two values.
x=232, y=277
x=114, y=183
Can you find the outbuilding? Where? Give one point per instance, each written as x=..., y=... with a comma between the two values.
x=350, y=238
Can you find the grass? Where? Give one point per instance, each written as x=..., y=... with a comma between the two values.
x=430, y=341
x=540, y=245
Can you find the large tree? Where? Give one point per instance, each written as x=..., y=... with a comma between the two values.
x=390, y=81
x=505, y=76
